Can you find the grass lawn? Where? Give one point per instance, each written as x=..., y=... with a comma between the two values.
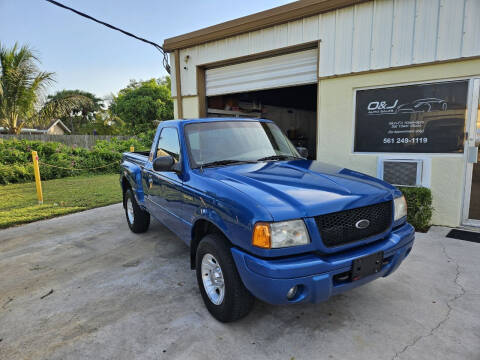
x=19, y=205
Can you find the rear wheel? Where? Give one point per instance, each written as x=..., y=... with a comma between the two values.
x=223, y=292
x=138, y=220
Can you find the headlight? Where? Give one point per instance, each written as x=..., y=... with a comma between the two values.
x=400, y=208
x=280, y=234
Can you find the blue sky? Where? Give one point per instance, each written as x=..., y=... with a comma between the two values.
x=88, y=56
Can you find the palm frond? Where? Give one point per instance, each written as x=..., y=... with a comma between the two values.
x=22, y=85
x=57, y=108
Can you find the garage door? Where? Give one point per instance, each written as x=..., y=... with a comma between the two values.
x=297, y=68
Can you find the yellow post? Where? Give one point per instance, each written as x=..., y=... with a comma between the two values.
x=132, y=148
x=38, y=182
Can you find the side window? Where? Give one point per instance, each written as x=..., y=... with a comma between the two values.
x=168, y=144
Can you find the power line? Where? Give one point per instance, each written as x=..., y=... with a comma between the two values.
x=158, y=47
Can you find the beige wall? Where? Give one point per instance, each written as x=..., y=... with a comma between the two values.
x=372, y=35
x=335, y=116
x=56, y=130
x=190, y=107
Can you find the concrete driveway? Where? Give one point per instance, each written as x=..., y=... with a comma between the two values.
x=117, y=295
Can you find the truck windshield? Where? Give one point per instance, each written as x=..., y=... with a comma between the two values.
x=229, y=142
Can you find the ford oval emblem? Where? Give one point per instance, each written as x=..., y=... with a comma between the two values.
x=362, y=224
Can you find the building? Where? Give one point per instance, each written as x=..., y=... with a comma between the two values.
x=385, y=87
x=56, y=127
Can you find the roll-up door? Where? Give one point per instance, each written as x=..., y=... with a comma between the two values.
x=292, y=69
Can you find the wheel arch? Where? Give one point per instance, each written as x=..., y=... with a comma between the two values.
x=131, y=179
x=125, y=184
x=200, y=229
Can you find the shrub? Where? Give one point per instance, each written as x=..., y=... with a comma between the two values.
x=120, y=146
x=16, y=159
x=420, y=209
x=15, y=173
x=146, y=138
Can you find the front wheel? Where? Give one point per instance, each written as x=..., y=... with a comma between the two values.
x=138, y=220
x=223, y=292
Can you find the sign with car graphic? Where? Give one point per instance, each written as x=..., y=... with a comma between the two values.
x=423, y=118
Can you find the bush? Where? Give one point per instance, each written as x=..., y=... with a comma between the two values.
x=15, y=173
x=16, y=159
x=146, y=138
x=420, y=209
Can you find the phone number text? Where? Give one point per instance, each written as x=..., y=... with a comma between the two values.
x=415, y=140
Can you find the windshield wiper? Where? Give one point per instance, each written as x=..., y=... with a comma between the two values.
x=278, y=157
x=226, y=162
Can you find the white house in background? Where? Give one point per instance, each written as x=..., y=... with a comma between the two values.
x=56, y=127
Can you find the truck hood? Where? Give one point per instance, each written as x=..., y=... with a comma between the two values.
x=303, y=188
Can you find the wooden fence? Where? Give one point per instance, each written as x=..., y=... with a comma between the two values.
x=85, y=141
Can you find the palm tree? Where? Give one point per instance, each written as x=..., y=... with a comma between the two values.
x=22, y=90
x=83, y=115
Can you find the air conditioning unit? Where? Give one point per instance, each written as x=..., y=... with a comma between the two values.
x=403, y=172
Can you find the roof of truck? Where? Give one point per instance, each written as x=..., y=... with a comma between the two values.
x=200, y=120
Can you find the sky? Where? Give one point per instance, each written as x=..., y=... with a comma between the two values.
x=88, y=56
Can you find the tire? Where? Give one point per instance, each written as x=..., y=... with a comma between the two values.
x=138, y=220
x=237, y=301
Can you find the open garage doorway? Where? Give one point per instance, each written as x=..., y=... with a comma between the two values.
x=293, y=109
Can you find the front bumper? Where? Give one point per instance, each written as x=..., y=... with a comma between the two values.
x=270, y=280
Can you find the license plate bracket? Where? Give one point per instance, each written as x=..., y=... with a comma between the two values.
x=367, y=265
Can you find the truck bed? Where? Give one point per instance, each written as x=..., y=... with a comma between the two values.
x=138, y=157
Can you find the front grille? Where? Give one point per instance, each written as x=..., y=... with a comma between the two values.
x=339, y=228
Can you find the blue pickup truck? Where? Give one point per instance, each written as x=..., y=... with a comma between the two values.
x=262, y=221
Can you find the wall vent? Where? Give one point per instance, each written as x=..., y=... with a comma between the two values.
x=403, y=172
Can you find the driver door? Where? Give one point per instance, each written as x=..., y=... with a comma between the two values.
x=165, y=187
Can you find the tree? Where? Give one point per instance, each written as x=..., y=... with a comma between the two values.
x=142, y=102
x=22, y=88
x=103, y=123
x=83, y=114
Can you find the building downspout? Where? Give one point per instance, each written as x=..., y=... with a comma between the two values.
x=178, y=85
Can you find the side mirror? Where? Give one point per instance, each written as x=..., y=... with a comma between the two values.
x=163, y=163
x=303, y=151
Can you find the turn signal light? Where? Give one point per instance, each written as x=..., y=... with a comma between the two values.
x=261, y=236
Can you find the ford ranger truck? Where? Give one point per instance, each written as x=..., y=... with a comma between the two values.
x=261, y=221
